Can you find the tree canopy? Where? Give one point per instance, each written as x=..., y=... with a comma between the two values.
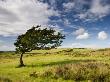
x=37, y=38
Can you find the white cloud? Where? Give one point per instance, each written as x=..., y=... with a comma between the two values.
x=67, y=22
x=97, y=10
x=81, y=33
x=16, y=16
x=68, y=5
x=102, y=35
x=83, y=36
x=82, y=15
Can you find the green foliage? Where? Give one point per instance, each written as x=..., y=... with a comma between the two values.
x=37, y=38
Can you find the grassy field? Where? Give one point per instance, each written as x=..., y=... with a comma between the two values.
x=39, y=62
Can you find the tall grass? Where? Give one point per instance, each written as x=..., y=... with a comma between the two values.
x=94, y=71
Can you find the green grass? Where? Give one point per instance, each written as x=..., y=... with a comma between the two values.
x=41, y=60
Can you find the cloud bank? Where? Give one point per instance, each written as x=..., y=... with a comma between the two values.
x=16, y=16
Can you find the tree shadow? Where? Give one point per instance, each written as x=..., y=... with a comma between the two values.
x=59, y=63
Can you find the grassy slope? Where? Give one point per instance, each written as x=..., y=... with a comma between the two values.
x=39, y=63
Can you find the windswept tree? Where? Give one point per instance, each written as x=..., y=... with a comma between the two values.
x=36, y=39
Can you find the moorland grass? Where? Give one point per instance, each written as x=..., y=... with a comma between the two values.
x=93, y=71
x=40, y=61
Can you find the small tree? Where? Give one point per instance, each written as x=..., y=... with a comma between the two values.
x=37, y=38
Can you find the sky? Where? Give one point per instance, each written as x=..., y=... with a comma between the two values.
x=85, y=23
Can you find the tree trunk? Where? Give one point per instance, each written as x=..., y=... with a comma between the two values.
x=21, y=60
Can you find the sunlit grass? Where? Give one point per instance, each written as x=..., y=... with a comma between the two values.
x=41, y=61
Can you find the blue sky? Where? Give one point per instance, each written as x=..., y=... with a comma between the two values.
x=86, y=23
